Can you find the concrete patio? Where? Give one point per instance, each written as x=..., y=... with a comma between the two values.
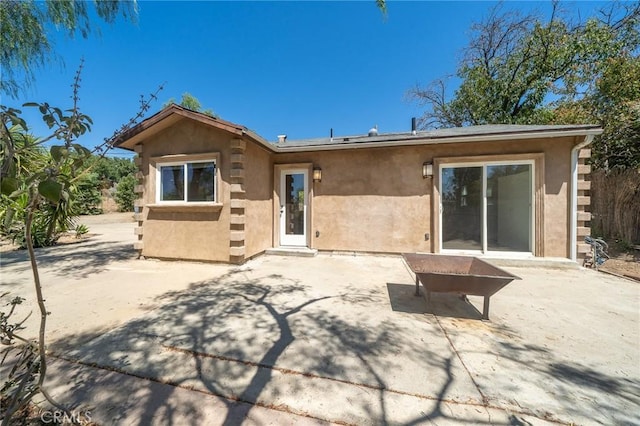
x=338, y=339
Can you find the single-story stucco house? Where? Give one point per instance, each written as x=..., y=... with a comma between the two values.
x=212, y=190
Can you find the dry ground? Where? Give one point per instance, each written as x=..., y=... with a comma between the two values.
x=624, y=262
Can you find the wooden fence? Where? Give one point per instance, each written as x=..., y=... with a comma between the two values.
x=615, y=205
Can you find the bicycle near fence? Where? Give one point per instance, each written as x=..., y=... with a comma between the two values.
x=598, y=255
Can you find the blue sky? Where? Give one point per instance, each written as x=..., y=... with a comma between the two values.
x=296, y=68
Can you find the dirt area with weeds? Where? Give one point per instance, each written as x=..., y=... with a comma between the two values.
x=624, y=261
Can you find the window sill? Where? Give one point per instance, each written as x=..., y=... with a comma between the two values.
x=186, y=207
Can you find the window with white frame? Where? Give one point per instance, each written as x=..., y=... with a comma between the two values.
x=187, y=182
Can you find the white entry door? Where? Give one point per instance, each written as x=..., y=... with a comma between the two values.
x=293, y=207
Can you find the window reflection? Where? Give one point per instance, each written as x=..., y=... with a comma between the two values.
x=172, y=183
x=462, y=208
x=200, y=182
x=294, y=204
x=509, y=213
x=509, y=207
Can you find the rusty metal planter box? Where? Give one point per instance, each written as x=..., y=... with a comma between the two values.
x=457, y=274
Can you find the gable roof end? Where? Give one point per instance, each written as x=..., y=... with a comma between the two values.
x=173, y=113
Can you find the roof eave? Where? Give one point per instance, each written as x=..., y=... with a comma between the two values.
x=259, y=140
x=494, y=137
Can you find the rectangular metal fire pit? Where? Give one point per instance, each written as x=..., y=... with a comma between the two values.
x=457, y=274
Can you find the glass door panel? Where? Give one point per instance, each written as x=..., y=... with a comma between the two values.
x=509, y=197
x=487, y=208
x=462, y=208
x=293, y=209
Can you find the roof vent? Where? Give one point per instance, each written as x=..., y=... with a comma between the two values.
x=373, y=131
x=282, y=138
x=413, y=126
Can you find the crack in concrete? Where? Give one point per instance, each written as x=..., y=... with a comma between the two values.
x=281, y=407
x=317, y=376
x=286, y=409
x=485, y=399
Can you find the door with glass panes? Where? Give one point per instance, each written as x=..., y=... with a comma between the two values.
x=293, y=207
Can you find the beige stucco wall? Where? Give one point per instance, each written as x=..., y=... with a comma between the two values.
x=368, y=200
x=187, y=233
x=258, y=168
x=557, y=197
x=377, y=200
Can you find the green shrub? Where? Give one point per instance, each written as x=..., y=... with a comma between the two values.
x=125, y=195
x=81, y=229
x=112, y=170
x=87, y=196
x=49, y=221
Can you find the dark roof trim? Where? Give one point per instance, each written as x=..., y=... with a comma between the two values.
x=486, y=133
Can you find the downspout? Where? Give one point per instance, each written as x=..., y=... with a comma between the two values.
x=574, y=195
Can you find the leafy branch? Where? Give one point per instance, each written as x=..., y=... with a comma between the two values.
x=31, y=190
x=530, y=69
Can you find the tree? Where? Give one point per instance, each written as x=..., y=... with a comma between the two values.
x=50, y=184
x=23, y=32
x=614, y=104
x=87, y=196
x=111, y=170
x=125, y=193
x=37, y=188
x=191, y=102
x=521, y=69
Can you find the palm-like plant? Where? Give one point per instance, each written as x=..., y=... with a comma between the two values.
x=50, y=219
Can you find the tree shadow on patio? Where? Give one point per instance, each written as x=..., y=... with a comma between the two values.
x=75, y=260
x=267, y=341
x=566, y=390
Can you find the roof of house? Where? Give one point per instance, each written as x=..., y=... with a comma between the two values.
x=494, y=132
x=491, y=132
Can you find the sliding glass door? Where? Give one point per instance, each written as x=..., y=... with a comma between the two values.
x=462, y=208
x=487, y=207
